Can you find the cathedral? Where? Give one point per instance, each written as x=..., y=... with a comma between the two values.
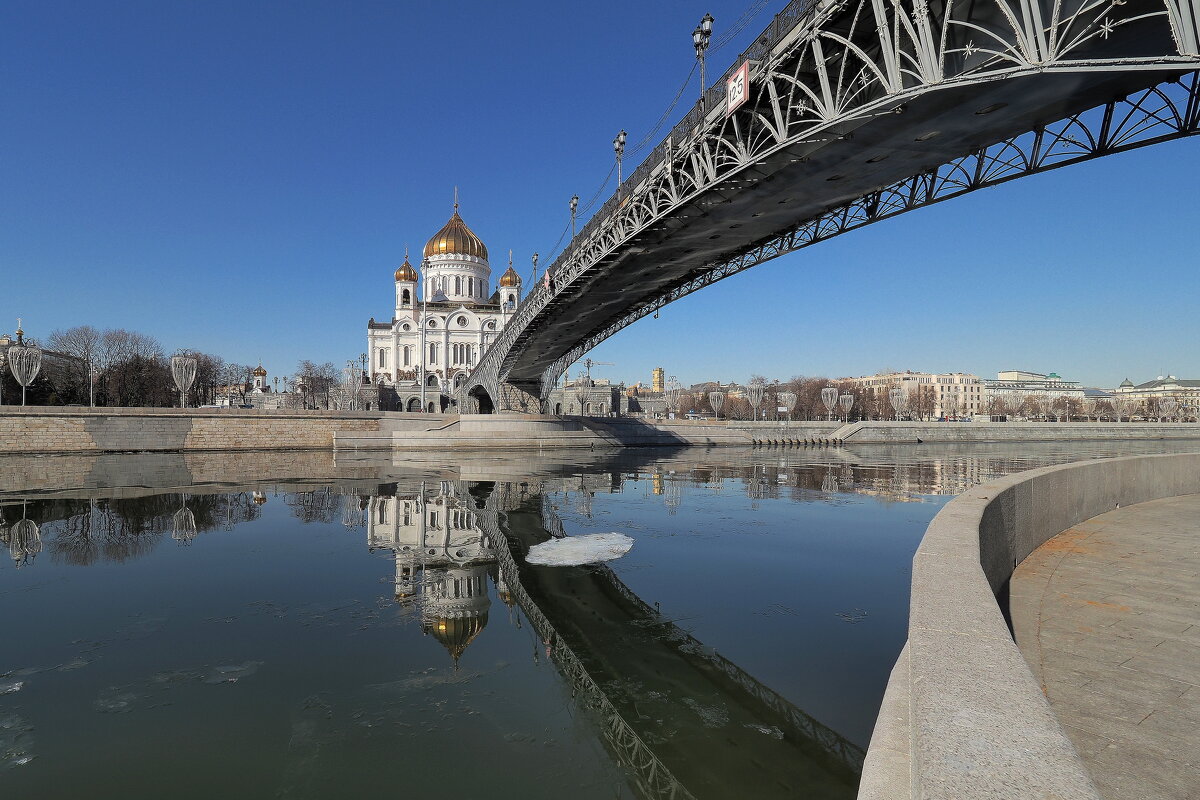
x=423, y=356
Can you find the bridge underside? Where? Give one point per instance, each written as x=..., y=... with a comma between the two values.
x=803, y=181
x=646, y=251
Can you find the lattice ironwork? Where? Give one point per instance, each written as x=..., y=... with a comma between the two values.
x=823, y=69
x=1160, y=114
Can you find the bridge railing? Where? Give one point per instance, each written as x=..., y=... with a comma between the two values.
x=793, y=14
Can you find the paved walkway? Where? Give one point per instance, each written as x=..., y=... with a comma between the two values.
x=1108, y=616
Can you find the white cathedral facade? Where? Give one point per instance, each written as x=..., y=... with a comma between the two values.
x=435, y=338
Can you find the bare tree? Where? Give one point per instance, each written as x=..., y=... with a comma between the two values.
x=82, y=343
x=319, y=380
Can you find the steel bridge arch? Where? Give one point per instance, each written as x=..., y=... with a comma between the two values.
x=825, y=71
x=1035, y=152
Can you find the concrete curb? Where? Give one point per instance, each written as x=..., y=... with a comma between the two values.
x=974, y=718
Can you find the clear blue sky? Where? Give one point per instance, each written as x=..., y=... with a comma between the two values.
x=242, y=178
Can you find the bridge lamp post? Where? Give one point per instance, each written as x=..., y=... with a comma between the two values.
x=619, y=149
x=700, y=39
x=575, y=204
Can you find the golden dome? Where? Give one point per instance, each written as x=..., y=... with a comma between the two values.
x=406, y=271
x=456, y=633
x=455, y=237
x=510, y=278
x=260, y=372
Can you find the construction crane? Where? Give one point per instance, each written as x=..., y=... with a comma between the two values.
x=588, y=364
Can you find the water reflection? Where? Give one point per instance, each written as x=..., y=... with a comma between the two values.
x=680, y=719
x=23, y=538
x=442, y=558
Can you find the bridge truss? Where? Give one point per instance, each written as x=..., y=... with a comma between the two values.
x=982, y=93
x=1166, y=112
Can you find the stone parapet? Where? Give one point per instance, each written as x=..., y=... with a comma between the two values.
x=104, y=430
x=963, y=715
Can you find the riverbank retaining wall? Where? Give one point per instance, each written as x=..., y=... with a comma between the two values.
x=108, y=430
x=45, y=429
x=883, y=432
x=963, y=715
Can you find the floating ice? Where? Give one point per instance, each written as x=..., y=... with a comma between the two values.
x=768, y=730
x=572, y=551
x=231, y=673
x=9, y=688
x=16, y=742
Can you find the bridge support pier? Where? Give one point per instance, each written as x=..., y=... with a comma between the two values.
x=523, y=397
x=488, y=397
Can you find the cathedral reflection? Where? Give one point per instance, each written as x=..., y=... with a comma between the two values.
x=443, y=559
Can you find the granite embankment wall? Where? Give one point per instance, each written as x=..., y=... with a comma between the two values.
x=963, y=715
x=910, y=432
x=137, y=474
x=100, y=430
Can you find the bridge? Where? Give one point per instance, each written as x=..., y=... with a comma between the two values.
x=604, y=639
x=844, y=113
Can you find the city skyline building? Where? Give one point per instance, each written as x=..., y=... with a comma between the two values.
x=949, y=393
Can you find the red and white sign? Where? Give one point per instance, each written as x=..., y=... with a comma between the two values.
x=737, y=88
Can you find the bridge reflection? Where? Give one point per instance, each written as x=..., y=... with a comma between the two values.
x=657, y=695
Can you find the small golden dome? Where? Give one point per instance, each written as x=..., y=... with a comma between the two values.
x=510, y=278
x=260, y=372
x=455, y=237
x=406, y=271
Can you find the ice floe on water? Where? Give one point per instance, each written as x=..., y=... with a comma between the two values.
x=16, y=742
x=572, y=551
x=232, y=672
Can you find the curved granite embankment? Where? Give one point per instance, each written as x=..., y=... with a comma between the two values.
x=963, y=715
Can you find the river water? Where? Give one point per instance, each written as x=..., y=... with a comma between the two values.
x=318, y=625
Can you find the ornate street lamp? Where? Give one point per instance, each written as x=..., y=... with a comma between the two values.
x=575, y=207
x=183, y=523
x=24, y=539
x=717, y=401
x=846, y=401
x=183, y=370
x=700, y=39
x=25, y=362
x=672, y=394
x=619, y=149
x=829, y=398
x=788, y=401
x=899, y=400
x=755, y=394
